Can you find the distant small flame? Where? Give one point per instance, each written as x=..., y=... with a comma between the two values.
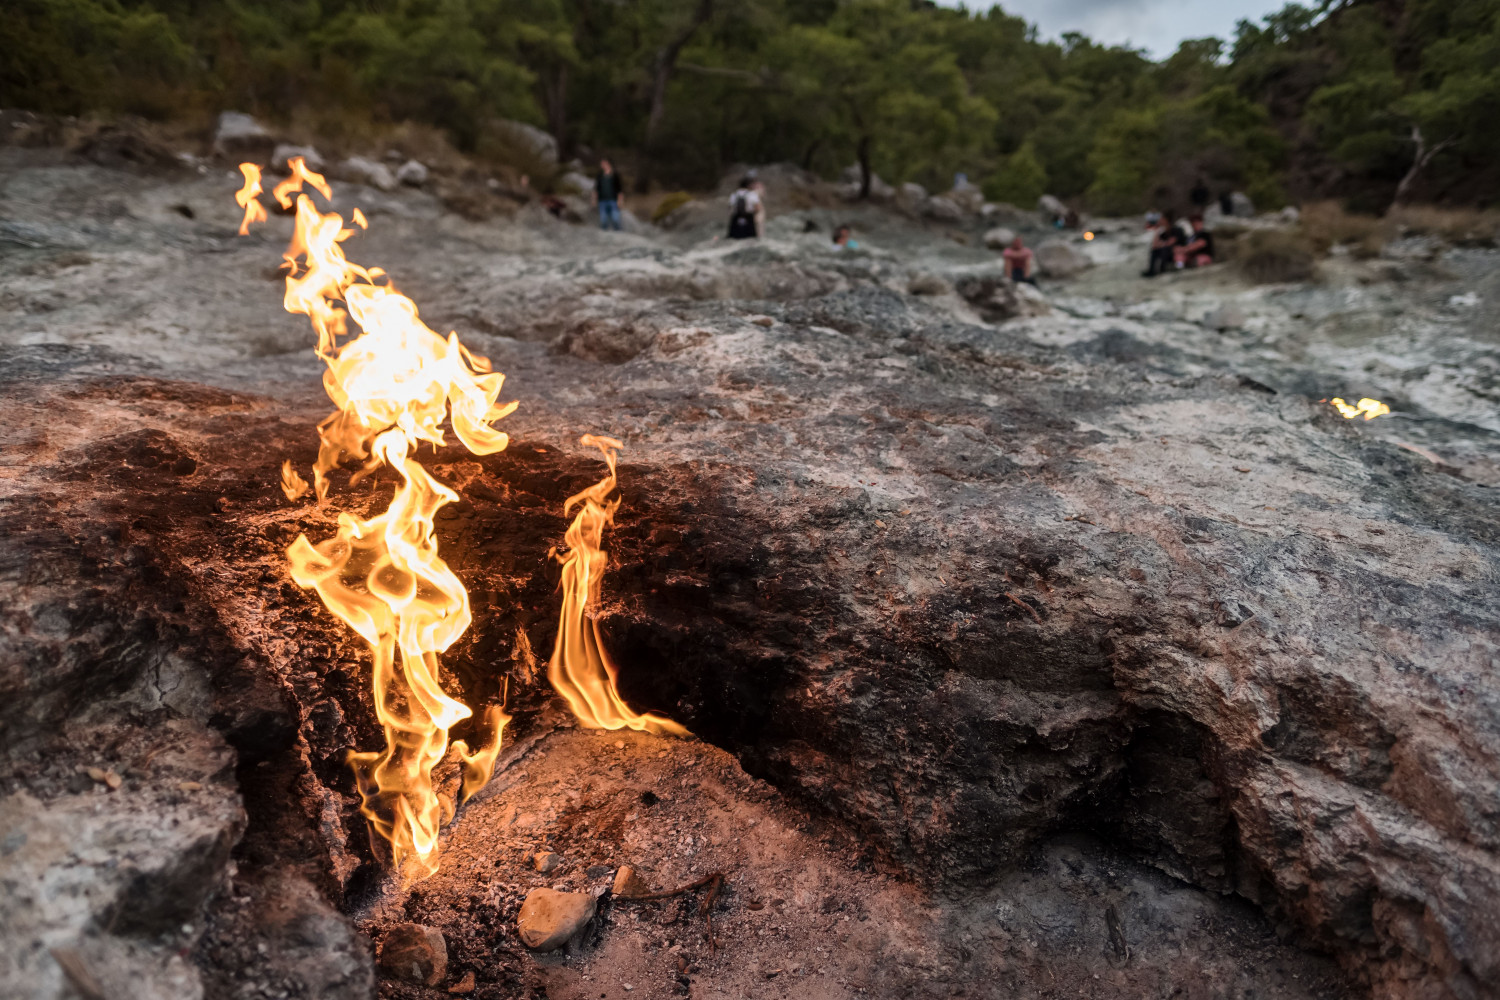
x=580, y=669
x=1371, y=408
x=1088, y=236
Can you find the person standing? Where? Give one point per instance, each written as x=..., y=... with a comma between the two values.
x=745, y=210
x=609, y=196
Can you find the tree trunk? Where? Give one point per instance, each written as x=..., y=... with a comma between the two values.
x=864, y=167
x=1423, y=157
x=555, y=92
x=661, y=75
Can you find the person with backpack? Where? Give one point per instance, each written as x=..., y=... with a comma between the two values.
x=609, y=195
x=1164, y=243
x=745, y=210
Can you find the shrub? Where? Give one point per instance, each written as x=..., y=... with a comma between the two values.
x=1463, y=226
x=1021, y=181
x=669, y=204
x=1326, y=225
x=1274, y=256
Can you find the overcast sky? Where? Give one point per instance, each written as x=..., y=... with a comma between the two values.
x=1154, y=25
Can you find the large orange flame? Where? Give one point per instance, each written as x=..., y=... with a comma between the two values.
x=580, y=669
x=394, y=383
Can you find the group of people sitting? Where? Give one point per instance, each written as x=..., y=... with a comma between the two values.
x=1177, y=244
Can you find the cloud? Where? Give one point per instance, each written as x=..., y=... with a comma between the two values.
x=1155, y=25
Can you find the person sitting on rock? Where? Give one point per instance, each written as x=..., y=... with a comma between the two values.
x=1197, y=251
x=1019, y=261
x=1163, y=242
x=609, y=195
x=842, y=240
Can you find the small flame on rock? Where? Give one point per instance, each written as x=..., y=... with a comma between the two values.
x=394, y=383
x=1370, y=408
x=580, y=669
x=248, y=198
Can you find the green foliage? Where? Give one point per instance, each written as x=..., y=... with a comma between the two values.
x=1021, y=181
x=1368, y=93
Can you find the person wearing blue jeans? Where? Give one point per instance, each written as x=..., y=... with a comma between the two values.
x=609, y=195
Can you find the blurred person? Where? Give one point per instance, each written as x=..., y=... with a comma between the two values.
x=746, y=211
x=1164, y=240
x=1200, y=196
x=1019, y=261
x=842, y=239
x=1198, y=251
x=609, y=196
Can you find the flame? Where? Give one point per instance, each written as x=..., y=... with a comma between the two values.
x=247, y=197
x=1088, y=236
x=1371, y=408
x=580, y=669
x=394, y=383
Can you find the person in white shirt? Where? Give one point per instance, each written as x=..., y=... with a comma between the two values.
x=747, y=210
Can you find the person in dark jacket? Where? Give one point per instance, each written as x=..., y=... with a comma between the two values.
x=745, y=210
x=609, y=196
x=1164, y=241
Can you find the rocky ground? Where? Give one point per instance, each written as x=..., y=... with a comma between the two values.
x=1047, y=645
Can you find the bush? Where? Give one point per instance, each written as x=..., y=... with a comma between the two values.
x=1021, y=181
x=1465, y=227
x=1327, y=225
x=1274, y=256
x=669, y=204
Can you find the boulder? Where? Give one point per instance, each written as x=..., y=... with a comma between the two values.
x=530, y=149
x=1291, y=215
x=912, y=192
x=998, y=299
x=927, y=284
x=1061, y=259
x=1244, y=208
x=412, y=173
x=968, y=197
x=284, y=153
x=359, y=170
x=942, y=209
x=999, y=238
x=1051, y=207
x=574, y=182
x=414, y=953
x=1226, y=316
x=238, y=136
x=548, y=918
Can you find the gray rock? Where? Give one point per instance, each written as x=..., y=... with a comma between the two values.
x=928, y=284
x=239, y=136
x=1244, y=208
x=548, y=918
x=575, y=183
x=1058, y=258
x=999, y=238
x=284, y=154
x=968, y=197
x=1229, y=316
x=414, y=953
x=1051, y=207
x=527, y=147
x=912, y=192
x=998, y=299
x=371, y=173
x=942, y=209
x=412, y=173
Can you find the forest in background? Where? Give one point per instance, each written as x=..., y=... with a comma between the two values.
x=1368, y=101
